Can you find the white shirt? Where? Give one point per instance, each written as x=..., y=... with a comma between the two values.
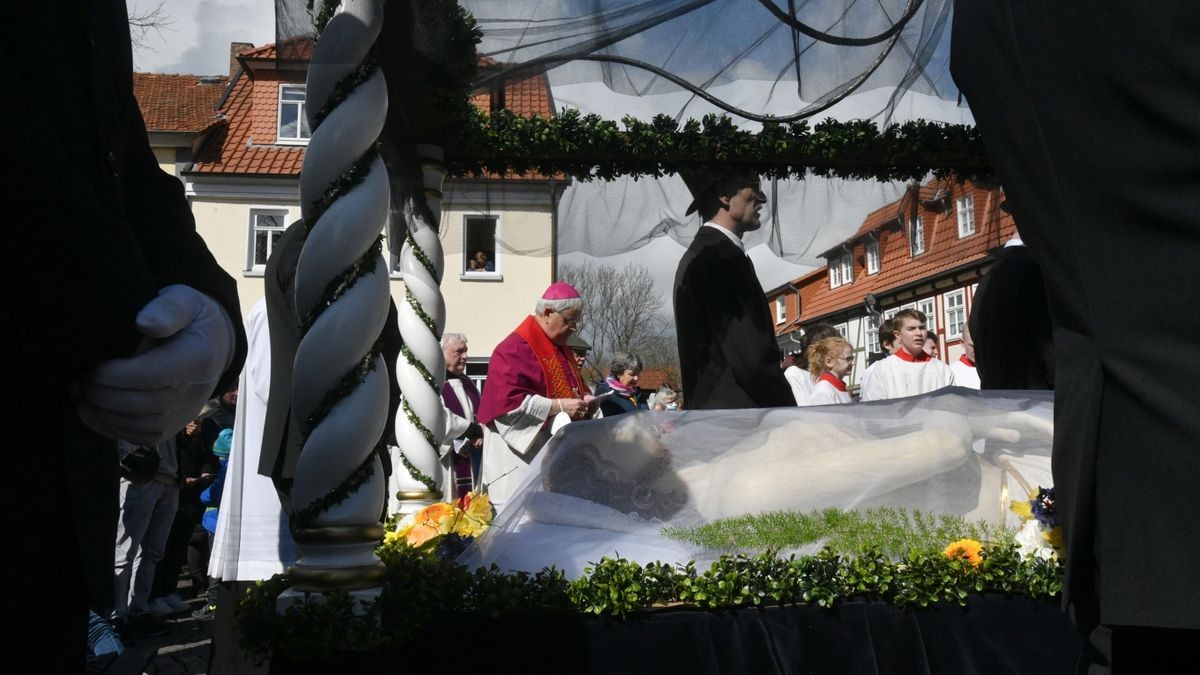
x=801, y=382
x=825, y=392
x=897, y=377
x=965, y=374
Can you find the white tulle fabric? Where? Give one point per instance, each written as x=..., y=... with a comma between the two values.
x=609, y=487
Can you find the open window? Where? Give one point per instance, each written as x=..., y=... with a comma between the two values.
x=480, y=253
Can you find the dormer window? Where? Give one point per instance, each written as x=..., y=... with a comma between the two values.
x=293, y=123
x=780, y=309
x=966, y=215
x=916, y=236
x=872, y=256
x=841, y=271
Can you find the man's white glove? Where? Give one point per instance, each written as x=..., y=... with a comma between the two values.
x=149, y=396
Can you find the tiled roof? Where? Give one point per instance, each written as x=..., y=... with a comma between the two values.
x=651, y=379
x=184, y=103
x=247, y=146
x=944, y=250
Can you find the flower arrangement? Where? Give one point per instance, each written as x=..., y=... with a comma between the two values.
x=1040, y=536
x=444, y=528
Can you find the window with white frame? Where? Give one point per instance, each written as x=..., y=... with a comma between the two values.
x=780, y=310
x=966, y=215
x=916, y=236
x=266, y=227
x=841, y=270
x=889, y=313
x=293, y=123
x=479, y=246
x=929, y=308
x=842, y=330
x=873, y=346
x=956, y=313
x=872, y=256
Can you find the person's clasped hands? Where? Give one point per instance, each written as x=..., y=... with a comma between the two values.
x=144, y=398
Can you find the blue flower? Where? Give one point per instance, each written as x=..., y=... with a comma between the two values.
x=1043, y=508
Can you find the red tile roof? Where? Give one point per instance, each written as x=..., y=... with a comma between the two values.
x=944, y=250
x=183, y=103
x=247, y=146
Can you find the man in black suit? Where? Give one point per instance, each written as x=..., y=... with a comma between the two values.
x=1010, y=324
x=727, y=349
x=118, y=322
x=1089, y=112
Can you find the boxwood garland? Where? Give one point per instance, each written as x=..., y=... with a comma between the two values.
x=420, y=587
x=588, y=147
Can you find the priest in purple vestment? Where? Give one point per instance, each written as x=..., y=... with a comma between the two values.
x=462, y=451
x=532, y=377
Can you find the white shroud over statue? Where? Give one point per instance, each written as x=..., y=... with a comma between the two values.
x=609, y=487
x=252, y=539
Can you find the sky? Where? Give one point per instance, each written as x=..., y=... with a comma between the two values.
x=196, y=38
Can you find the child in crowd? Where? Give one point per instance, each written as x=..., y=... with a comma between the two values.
x=211, y=498
x=829, y=362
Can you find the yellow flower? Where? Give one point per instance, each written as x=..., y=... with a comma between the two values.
x=966, y=548
x=476, y=514
x=1022, y=507
x=392, y=536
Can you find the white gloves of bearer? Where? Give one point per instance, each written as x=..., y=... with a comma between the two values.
x=149, y=396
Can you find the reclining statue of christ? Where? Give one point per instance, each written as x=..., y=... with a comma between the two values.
x=613, y=485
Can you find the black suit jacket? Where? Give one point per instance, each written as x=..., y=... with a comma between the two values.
x=1010, y=324
x=727, y=349
x=1099, y=151
x=282, y=438
x=94, y=230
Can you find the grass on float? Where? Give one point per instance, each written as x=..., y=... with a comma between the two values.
x=895, y=531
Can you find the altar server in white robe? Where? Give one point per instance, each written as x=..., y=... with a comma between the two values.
x=963, y=369
x=532, y=378
x=800, y=376
x=252, y=540
x=829, y=362
x=909, y=371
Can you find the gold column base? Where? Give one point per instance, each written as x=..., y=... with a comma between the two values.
x=315, y=580
x=339, y=534
x=433, y=495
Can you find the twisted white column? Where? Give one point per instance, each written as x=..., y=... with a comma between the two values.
x=340, y=387
x=421, y=369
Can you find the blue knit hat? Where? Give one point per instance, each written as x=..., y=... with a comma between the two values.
x=224, y=442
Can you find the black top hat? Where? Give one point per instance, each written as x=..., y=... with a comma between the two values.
x=700, y=182
x=577, y=343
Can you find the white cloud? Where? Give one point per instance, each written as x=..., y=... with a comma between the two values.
x=197, y=38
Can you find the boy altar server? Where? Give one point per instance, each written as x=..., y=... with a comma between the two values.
x=909, y=371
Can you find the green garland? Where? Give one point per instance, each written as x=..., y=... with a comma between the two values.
x=422, y=256
x=420, y=587
x=588, y=147
x=321, y=19
x=344, y=87
x=343, y=282
x=305, y=516
x=420, y=312
x=425, y=374
x=416, y=474
x=344, y=387
x=416, y=422
x=353, y=176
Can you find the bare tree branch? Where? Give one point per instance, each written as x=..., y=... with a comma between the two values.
x=141, y=22
x=622, y=313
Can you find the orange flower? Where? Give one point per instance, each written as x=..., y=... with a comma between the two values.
x=429, y=522
x=966, y=548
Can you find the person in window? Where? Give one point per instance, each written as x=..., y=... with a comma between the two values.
x=482, y=264
x=622, y=382
x=829, y=362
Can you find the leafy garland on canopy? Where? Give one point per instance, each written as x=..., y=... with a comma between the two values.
x=588, y=147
